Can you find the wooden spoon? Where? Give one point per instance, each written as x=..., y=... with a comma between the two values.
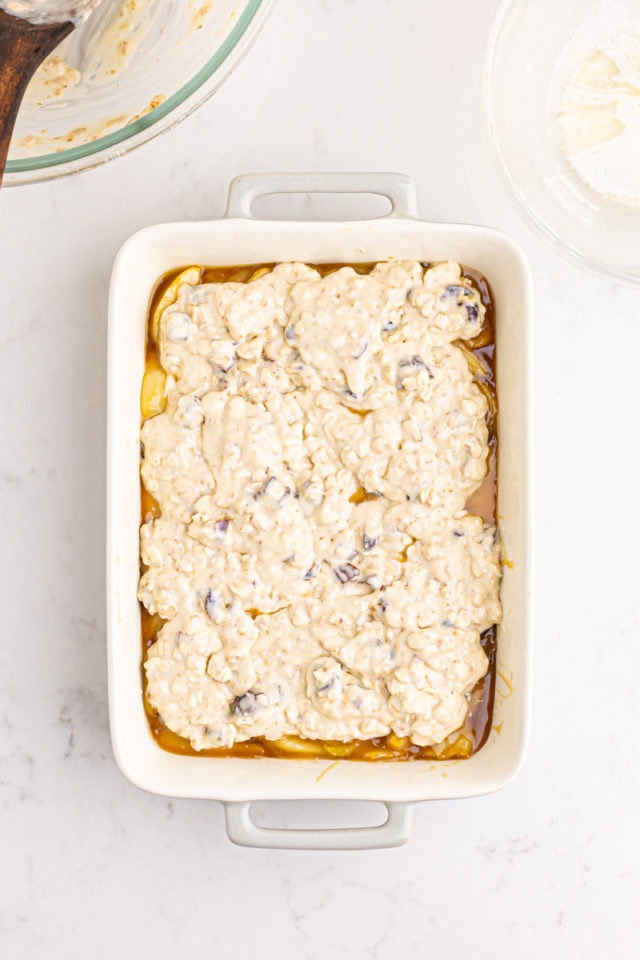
x=24, y=44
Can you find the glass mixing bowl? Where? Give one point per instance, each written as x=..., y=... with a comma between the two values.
x=535, y=49
x=135, y=68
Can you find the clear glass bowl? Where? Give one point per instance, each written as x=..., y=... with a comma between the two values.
x=129, y=73
x=535, y=48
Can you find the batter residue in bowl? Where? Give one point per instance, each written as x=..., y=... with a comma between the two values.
x=98, y=53
x=310, y=447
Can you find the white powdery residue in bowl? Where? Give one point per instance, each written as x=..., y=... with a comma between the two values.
x=599, y=120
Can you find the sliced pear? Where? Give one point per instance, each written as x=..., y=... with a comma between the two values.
x=153, y=397
x=454, y=749
x=377, y=753
x=241, y=275
x=151, y=625
x=149, y=506
x=478, y=370
x=492, y=403
x=295, y=746
x=260, y=272
x=399, y=744
x=482, y=340
x=192, y=276
x=336, y=748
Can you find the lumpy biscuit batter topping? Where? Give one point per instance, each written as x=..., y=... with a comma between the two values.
x=313, y=558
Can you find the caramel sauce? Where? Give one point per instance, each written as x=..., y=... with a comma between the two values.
x=473, y=734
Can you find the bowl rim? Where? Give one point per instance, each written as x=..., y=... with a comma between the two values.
x=173, y=110
x=542, y=227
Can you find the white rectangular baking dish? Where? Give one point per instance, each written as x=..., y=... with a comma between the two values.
x=239, y=238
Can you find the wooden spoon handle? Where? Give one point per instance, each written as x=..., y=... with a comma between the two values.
x=23, y=47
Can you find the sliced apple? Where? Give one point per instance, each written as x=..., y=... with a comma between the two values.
x=191, y=276
x=335, y=748
x=296, y=746
x=153, y=397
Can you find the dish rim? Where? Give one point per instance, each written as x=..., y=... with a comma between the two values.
x=263, y=779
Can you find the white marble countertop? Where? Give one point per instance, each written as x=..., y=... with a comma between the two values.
x=92, y=866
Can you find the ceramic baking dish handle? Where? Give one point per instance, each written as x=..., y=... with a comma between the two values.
x=399, y=189
x=392, y=833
